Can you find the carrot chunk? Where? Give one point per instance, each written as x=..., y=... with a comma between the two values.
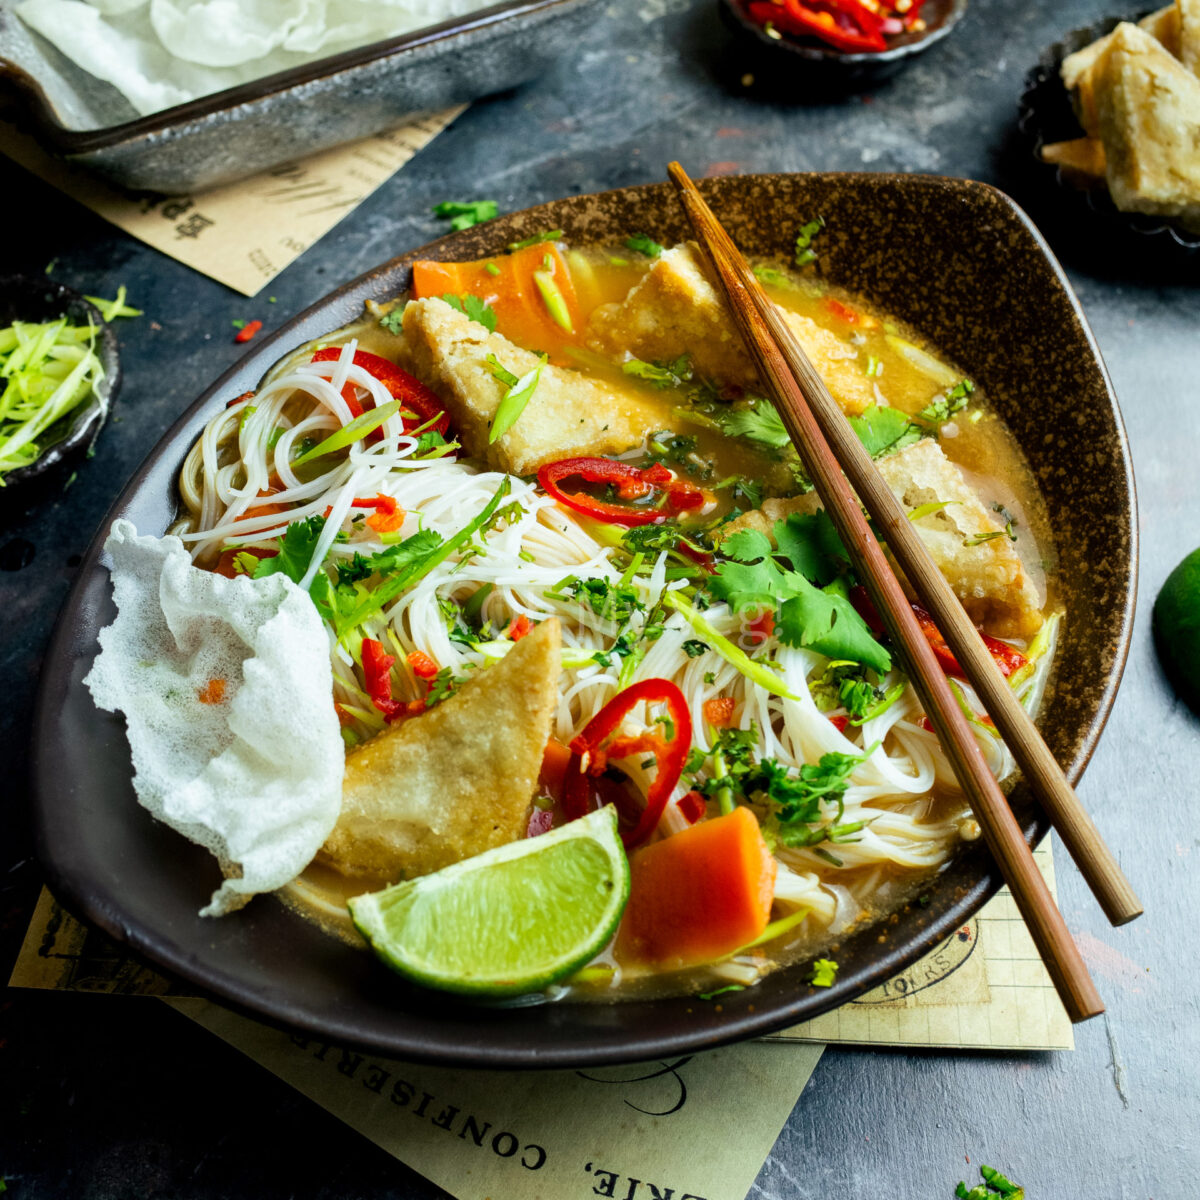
x=509, y=283
x=698, y=896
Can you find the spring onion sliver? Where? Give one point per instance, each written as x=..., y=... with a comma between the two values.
x=513, y=403
x=556, y=304
x=47, y=371
x=110, y=310
x=736, y=657
x=350, y=432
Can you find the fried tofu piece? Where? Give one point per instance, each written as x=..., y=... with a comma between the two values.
x=1148, y=107
x=1085, y=156
x=1076, y=69
x=675, y=309
x=987, y=577
x=567, y=415
x=1187, y=46
x=455, y=781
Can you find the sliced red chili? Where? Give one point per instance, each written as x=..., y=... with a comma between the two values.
x=719, y=710
x=839, y=723
x=846, y=26
x=600, y=742
x=402, y=386
x=377, y=674
x=630, y=483
x=1008, y=658
x=520, y=626
x=388, y=515
x=692, y=807
x=422, y=666
x=247, y=331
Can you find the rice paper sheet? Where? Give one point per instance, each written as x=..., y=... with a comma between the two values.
x=159, y=53
x=250, y=767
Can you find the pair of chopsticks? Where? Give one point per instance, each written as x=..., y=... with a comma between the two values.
x=836, y=461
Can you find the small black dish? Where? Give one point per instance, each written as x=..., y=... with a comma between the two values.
x=1046, y=116
x=809, y=64
x=38, y=300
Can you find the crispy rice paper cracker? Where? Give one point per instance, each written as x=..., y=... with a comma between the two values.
x=226, y=688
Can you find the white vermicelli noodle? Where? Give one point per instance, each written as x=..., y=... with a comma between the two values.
x=241, y=491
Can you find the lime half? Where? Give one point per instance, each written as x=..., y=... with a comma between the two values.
x=511, y=920
x=1177, y=627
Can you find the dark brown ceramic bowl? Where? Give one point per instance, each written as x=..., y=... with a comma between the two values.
x=956, y=259
x=812, y=65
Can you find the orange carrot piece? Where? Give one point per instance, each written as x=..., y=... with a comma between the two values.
x=698, y=896
x=556, y=758
x=521, y=312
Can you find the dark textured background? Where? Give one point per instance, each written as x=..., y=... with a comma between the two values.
x=102, y=1099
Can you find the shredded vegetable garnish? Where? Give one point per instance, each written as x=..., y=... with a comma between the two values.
x=824, y=972
x=47, y=371
x=110, y=310
x=463, y=215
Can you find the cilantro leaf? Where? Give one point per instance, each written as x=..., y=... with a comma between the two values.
x=826, y=621
x=296, y=549
x=759, y=423
x=462, y=215
x=811, y=544
x=804, y=239
x=472, y=307
x=643, y=243
x=884, y=430
x=393, y=320
x=938, y=411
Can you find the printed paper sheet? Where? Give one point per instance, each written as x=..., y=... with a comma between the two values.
x=245, y=233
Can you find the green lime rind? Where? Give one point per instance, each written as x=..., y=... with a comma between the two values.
x=509, y=921
x=1177, y=628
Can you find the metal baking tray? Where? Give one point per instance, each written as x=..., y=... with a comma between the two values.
x=285, y=116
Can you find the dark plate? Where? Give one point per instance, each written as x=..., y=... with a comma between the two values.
x=896, y=239
x=25, y=299
x=1046, y=115
x=809, y=64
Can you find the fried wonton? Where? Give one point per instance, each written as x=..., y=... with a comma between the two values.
x=567, y=415
x=455, y=781
x=987, y=576
x=675, y=309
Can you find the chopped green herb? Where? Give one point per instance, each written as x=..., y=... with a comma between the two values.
x=393, y=321
x=994, y=1185
x=824, y=972
x=643, y=243
x=238, y=324
x=773, y=277
x=884, y=430
x=874, y=367
x=464, y=214
x=804, y=239
x=552, y=297
x=694, y=647
x=938, y=411
x=470, y=306
x=979, y=538
x=550, y=235
x=247, y=413
x=732, y=987
x=350, y=433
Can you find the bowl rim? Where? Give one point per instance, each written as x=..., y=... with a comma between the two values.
x=103, y=910
x=82, y=141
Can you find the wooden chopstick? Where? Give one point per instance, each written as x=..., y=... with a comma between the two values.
x=776, y=352
x=1070, y=819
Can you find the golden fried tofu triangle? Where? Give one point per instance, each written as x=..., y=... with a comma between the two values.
x=568, y=414
x=455, y=781
x=1148, y=107
x=987, y=576
x=675, y=309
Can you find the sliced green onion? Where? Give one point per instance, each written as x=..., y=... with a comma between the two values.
x=110, y=310
x=555, y=301
x=927, y=510
x=925, y=363
x=513, y=403
x=49, y=370
x=736, y=657
x=776, y=929
x=550, y=235
x=893, y=694
x=350, y=433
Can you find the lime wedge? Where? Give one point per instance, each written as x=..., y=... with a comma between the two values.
x=1177, y=627
x=511, y=920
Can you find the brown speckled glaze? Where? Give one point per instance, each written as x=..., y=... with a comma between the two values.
x=957, y=260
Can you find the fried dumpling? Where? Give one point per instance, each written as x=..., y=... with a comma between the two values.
x=456, y=780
